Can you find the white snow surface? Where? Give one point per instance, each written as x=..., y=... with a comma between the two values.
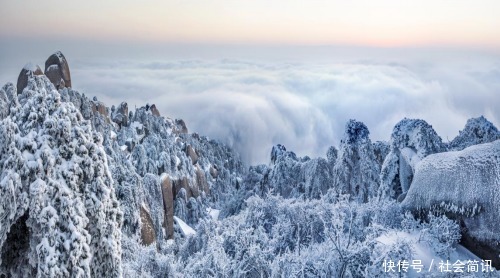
x=185, y=228
x=136, y=125
x=30, y=67
x=53, y=67
x=411, y=157
x=214, y=213
x=163, y=177
x=424, y=252
x=461, y=182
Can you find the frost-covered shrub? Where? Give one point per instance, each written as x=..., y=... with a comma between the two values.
x=387, y=213
x=145, y=261
x=276, y=237
x=399, y=250
x=439, y=232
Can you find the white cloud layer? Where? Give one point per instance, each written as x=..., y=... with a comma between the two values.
x=303, y=105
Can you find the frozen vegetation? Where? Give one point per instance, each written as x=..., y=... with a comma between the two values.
x=88, y=190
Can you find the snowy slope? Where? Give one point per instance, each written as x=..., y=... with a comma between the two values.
x=424, y=260
x=185, y=228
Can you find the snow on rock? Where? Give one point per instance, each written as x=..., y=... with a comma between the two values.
x=277, y=151
x=153, y=198
x=291, y=176
x=476, y=131
x=28, y=71
x=120, y=115
x=356, y=170
x=465, y=184
x=57, y=70
x=186, y=230
x=411, y=140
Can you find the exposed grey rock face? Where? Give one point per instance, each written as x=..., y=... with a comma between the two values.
x=148, y=234
x=154, y=111
x=168, y=206
x=192, y=154
x=476, y=131
x=120, y=115
x=57, y=70
x=411, y=141
x=465, y=185
x=213, y=171
x=28, y=70
x=180, y=127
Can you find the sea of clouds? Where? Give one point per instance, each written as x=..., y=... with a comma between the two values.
x=304, y=104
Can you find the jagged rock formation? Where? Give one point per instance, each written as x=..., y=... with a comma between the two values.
x=56, y=191
x=356, y=169
x=476, y=131
x=290, y=176
x=180, y=127
x=192, y=154
x=120, y=115
x=411, y=141
x=465, y=184
x=168, y=203
x=148, y=233
x=155, y=111
x=27, y=71
x=57, y=70
x=127, y=152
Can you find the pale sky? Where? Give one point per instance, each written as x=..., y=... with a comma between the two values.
x=289, y=72
x=386, y=23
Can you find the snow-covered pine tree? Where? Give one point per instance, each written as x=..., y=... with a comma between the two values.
x=56, y=188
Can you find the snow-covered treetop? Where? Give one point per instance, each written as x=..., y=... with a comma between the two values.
x=55, y=180
x=331, y=155
x=355, y=132
x=279, y=150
